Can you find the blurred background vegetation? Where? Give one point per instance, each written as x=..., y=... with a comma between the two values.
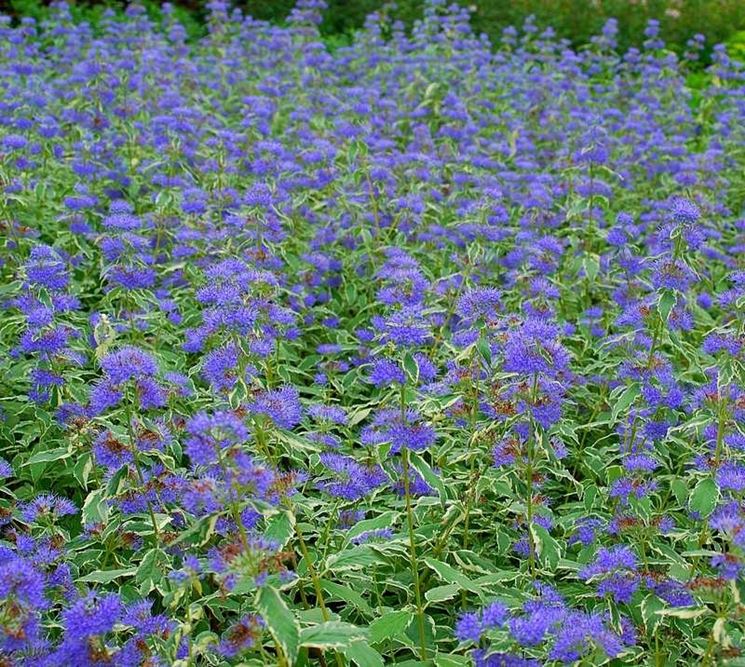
x=577, y=20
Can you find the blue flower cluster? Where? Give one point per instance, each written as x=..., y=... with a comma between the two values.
x=308, y=353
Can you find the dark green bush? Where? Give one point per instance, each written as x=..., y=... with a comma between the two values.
x=577, y=20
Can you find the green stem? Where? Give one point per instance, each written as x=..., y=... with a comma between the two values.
x=529, y=503
x=591, y=206
x=234, y=509
x=720, y=432
x=710, y=644
x=327, y=530
x=529, y=482
x=190, y=656
x=402, y=403
x=439, y=546
x=473, y=413
x=316, y=583
x=657, y=654
x=260, y=436
x=653, y=347
x=140, y=475
x=281, y=658
x=412, y=553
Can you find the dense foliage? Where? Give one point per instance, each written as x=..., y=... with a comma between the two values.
x=576, y=20
x=413, y=353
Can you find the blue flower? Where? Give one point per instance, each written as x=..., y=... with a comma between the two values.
x=282, y=406
x=351, y=480
x=385, y=372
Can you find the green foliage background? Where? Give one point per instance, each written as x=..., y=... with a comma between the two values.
x=576, y=20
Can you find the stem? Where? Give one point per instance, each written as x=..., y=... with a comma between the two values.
x=720, y=432
x=412, y=553
x=529, y=503
x=529, y=482
x=316, y=583
x=327, y=530
x=140, y=475
x=642, y=548
x=313, y=574
x=281, y=658
x=708, y=656
x=403, y=403
x=234, y=509
x=632, y=437
x=657, y=654
x=190, y=657
x=264, y=654
x=440, y=545
x=591, y=206
x=653, y=347
x=303, y=597
x=473, y=412
x=261, y=442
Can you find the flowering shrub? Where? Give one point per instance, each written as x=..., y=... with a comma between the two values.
x=412, y=353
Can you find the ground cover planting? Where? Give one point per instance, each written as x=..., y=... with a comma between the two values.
x=421, y=351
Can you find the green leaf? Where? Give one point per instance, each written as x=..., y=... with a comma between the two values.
x=684, y=612
x=451, y=575
x=451, y=660
x=350, y=292
x=666, y=304
x=281, y=528
x=298, y=443
x=383, y=520
x=650, y=608
x=591, y=265
x=726, y=373
x=411, y=367
x=347, y=594
x=428, y=475
x=363, y=655
x=389, y=625
x=279, y=620
x=82, y=469
x=590, y=493
x=441, y=593
x=484, y=348
x=548, y=549
x=107, y=576
x=95, y=508
x=358, y=415
x=704, y=497
x=627, y=397
x=354, y=558
x=331, y=634
x=612, y=473
x=412, y=632
x=149, y=572
x=203, y=530
x=112, y=488
x=49, y=455
x=680, y=491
